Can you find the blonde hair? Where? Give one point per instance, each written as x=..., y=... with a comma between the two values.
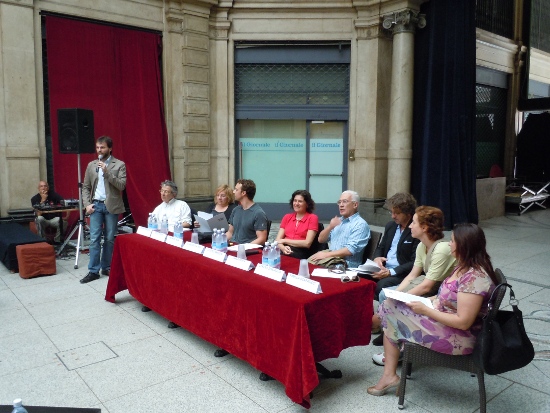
x=228, y=192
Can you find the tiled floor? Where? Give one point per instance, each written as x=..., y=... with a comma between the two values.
x=62, y=344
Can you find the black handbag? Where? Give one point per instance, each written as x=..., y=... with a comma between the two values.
x=503, y=345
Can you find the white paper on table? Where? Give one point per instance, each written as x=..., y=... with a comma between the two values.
x=144, y=231
x=324, y=272
x=159, y=236
x=270, y=272
x=214, y=255
x=247, y=246
x=176, y=242
x=303, y=283
x=192, y=247
x=406, y=297
x=209, y=221
x=239, y=263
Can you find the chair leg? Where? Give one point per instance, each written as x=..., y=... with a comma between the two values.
x=405, y=373
x=482, y=395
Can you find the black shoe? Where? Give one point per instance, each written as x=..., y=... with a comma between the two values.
x=105, y=272
x=91, y=276
x=171, y=324
x=378, y=341
x=265, y=377
x=145, y=309
x=220, y=353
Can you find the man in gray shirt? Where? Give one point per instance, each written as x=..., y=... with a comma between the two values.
x=248, y=222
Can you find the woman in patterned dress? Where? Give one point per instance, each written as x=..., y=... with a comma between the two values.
x=451, y=327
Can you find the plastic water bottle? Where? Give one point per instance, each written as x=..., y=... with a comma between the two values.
x=223, y=241
x=154, y=222
x=277, y=255
x=178, y=230
x=18, y=407
x=215, y=240
x=164, y=224
x=150, y=221
x=265, y=254
x=272, y=256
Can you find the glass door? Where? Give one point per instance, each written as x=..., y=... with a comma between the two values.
x=326, y=175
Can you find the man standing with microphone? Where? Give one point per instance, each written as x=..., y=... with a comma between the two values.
x=104, y=181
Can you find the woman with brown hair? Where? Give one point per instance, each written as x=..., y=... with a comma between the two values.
x=452, y=325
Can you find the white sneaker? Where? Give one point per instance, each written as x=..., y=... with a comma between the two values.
x=380, y=360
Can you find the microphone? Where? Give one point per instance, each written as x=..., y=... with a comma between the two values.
x=99, y=159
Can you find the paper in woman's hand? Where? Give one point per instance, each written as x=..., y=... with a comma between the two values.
x=406, y=297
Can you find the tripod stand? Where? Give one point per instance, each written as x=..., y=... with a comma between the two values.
x=81, y=224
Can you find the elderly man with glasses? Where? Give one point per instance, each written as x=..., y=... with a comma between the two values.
x=347, y=234
x=174, y=209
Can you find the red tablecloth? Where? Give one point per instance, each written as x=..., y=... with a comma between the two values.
x=279, y=329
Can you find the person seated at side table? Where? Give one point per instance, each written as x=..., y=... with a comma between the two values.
x=396, y=252
x=451, y=327
x=43, y=220
x=433, y=257
x=299, y=228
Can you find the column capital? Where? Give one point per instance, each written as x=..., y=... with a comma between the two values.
x=219, y=29
x=174, y=23
x=404, y=21
x=368, y=28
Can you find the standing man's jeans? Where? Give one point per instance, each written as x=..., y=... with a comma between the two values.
x=98, y=220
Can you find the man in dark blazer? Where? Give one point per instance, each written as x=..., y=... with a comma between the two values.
x=397, y=250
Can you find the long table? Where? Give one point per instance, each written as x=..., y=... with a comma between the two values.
x=277, y=328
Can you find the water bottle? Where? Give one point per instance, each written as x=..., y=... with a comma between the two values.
x=215, y=240
x=178, y=230
x=272, y=256
x=164, y=224
x=154, y=222
x=223, y=241
x=265, y=254
x=276, y=255
x=150, y=221
x=18, y=406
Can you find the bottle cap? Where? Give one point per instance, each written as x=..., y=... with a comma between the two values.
x=17, y=403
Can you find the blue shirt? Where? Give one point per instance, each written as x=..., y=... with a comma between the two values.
x=354, y=234
x=391, y=261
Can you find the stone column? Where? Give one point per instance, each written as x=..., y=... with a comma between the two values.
x=369, y=122
x=220, y=88
x=190, y=100
x=19, y=138
x=402, y=24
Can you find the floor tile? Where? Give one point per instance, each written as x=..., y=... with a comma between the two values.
x=113, y=329
x=25, y=351
x=200, y=391
x=48, y=385
x=144, y=363
x=84, y=356
x=518, y=398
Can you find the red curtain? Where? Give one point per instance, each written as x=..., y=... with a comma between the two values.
x=116, y=73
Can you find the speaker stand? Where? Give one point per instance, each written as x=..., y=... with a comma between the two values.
x=81, y=225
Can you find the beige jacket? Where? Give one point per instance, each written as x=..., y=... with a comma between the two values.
x=115, y=183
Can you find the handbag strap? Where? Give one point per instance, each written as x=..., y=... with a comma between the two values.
x=513, y=301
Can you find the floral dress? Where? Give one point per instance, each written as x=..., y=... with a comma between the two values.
x=400, y=323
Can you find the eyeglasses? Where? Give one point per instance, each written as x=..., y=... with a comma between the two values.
x=164, y=191
x=343, y=202
x=349, y=278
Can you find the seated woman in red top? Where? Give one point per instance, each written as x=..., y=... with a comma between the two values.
x=299, y=229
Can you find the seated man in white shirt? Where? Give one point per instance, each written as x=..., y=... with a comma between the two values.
x=174, y=209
